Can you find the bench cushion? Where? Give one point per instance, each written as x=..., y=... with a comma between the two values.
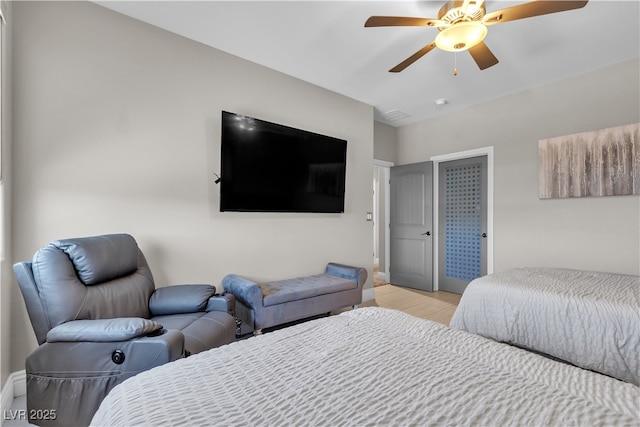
x=283, y=291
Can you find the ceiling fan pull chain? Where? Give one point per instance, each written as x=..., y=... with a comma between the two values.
x=455, y=64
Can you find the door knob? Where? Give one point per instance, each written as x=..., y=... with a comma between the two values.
x=428, y=233
x=484, y=235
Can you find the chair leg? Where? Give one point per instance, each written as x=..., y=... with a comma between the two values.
x=238, y=327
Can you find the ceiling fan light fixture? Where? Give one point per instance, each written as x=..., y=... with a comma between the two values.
x=461, y=36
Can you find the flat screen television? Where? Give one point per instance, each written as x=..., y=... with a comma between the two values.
x=268, y=167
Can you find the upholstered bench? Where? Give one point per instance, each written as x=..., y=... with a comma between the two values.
x=263, y=305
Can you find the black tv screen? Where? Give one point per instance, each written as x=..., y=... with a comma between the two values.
x=267, y=167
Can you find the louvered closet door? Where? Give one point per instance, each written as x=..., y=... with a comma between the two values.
x=462, y=222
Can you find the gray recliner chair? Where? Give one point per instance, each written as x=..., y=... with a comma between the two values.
x=99, y=320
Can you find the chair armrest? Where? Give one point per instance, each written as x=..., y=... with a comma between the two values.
x=244, y=290
x=223, y=302
x=180, y=299
x=357, y=274
x=103, y=330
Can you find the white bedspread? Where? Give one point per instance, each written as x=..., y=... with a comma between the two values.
x=369, y=366
x=589, y=319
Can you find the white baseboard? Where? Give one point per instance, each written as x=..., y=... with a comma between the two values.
x=16, y=385
x=382, y=276
x=19, y=383
x=368, y=295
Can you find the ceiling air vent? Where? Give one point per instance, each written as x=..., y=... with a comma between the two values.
x=394, y=115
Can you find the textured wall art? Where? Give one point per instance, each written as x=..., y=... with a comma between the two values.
x=600, y=163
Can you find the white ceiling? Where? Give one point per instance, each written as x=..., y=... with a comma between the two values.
x=325, y=43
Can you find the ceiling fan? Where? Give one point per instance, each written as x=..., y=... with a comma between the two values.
x=463, y=26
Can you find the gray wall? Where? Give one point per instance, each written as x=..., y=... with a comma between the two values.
x=117, y=129
x=385, y=142
x=599, y=233
x=6, y=273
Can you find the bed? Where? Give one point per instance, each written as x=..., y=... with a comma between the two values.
x=589, y=319
x=369, y=367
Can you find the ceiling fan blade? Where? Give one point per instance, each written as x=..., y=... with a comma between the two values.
x=413, y=58
x=528, y=10
x=402, y=21
x=483, y=56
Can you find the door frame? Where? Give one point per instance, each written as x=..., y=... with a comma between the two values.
x=485, y=151
x=386, y=167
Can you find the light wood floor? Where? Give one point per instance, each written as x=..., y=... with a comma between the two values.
x=437, y=306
